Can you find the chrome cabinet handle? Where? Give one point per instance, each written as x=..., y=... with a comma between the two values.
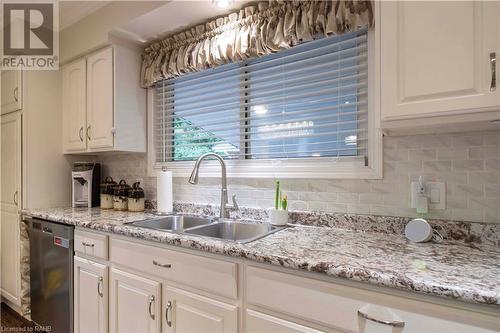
x=88, y=132
x=16, y=93
x=169, y=307
x=156, y=263
x=80, y=134
x=15, y=197
x=88, y=244
x=380, y=321
x=151, y=301
x=99, y=286
x=493, y=66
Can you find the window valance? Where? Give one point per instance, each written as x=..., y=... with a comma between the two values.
x=254, y=31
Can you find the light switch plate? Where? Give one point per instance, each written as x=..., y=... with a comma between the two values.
x=436, y=192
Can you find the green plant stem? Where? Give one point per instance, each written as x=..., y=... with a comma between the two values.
x=276, y=203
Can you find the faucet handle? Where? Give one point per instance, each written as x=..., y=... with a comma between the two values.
x=235, y=203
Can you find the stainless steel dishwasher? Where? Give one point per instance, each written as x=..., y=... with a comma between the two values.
x=51, y=274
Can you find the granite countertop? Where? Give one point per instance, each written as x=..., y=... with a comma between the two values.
x=456, y=270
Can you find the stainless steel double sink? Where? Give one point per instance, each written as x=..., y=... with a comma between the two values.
x=223, y=229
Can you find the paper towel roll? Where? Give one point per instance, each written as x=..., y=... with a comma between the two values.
x=164, y=192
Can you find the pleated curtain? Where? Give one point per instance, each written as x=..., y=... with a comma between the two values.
x=254, y=31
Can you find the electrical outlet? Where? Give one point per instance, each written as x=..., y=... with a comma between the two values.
x=434, y=191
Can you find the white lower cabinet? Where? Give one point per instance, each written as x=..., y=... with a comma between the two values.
x=186, y=312
x=258, y=322
x=90, y=296
x=153, y=288
x=134, y=303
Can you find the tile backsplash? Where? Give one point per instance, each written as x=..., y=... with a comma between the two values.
x=469, y=163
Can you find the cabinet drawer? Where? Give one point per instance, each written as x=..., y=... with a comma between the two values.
x=211, y=275
x=257, y=322
x=91, y=244
x=337, y=306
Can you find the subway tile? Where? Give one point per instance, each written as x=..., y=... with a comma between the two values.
x=492, y=138
x=492, y=191
x=467, y=140
x=406, y=142
x=422, y=154
x=407, y=167
x=336, y=208
x=480, y=203
x=389, y=187
x=492, y=164
x=468, y=165
x=456, y=202
x=468, y=190
x=466, y=214
x=436, y=141
x=484, y=152
x=348, y=198
x=317, y=206
x=317, y=196
x=358, y=209
x=401, y=200
x=437, y=166
x=484, y=177
x=370, y=198
x=492, y=215
x=452, y=154
x=395, y=154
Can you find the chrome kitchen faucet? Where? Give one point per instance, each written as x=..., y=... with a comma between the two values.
x=193, y=179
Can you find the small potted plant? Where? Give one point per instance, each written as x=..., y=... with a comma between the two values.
x=279, y=214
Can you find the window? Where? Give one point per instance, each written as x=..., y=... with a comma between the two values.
x=305, y=104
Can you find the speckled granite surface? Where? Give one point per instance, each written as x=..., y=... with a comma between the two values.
x=466, y=272
x=468, y=232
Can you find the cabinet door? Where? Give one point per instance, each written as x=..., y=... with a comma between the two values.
x=135, y=303
x=90, y=296
x=257, y=322
x=100, y=99
x=10, y=204
x=435, y=57
x=185, y=312
x=74, y=119
x=11, y=91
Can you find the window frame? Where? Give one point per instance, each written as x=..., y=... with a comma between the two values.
x=318, y=167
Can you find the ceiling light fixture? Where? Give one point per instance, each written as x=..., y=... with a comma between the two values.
x=222, y=3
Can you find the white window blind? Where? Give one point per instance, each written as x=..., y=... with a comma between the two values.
x=306, y=102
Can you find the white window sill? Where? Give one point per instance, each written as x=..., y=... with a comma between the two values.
x=345, y=168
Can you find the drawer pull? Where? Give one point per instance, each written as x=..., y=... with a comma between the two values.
x=156, y=263
x=88, y=132
x=99, y=286
x=493, y=65
x=16, y=93
x=80, y=134
x=380, y=321
x=169, y=307
x=151, y=301
x=88, y=244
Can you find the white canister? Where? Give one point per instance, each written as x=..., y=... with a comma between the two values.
x=278, y=217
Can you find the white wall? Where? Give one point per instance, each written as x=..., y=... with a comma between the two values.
x=92, y=32
x=47, y=172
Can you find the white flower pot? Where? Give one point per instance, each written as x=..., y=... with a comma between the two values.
x=278, y=217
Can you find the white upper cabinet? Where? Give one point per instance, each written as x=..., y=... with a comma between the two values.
x=112, y=109
x=438, y=58
x=74, y=109
x=100, y=99
x=11, y=91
